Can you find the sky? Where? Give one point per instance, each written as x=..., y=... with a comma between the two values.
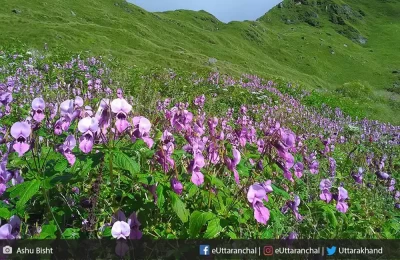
x=224, y=10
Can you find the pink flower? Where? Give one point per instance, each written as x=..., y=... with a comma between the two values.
x=103, y=115
x=194, y=168
x=177, y=186
x=67, y=107
x=21, y=131
x=120, y=229
x=67, y=147
x=125, y=227
x=38, y=107
x=121, y=108
x=298, y=169
x=88, y=127
x=314, y=167
x=256, y=195
x=232, y=163
x=181, y=119
x=141, y=129
x=78, y=102
x=261, y=213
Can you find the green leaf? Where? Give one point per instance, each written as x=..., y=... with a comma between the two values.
x=71, y=233
x=179, y=153
x=48, y=231
x=25, y=191
x=64, y=179
x=179, y=207
x=217, y=182
x=280, y=192
x=197, y=220
x=193, y=189
x=213, y=228
x=232, y=235
x=267, y=234
x=161, y=197
x=145, y=178
x=61, y=165
x=5, y=213
x=330, y=215
x=107, y=232
x=123, y=161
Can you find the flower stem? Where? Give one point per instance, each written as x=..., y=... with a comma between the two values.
x=51, y=212
x=110, y=161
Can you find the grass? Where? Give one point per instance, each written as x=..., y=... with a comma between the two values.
x=315, y=44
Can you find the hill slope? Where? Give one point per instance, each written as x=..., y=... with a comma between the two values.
x=345, y=47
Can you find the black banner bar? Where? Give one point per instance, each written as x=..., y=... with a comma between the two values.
x=200, y=249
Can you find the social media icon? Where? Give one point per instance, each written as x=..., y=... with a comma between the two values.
x=204, y=250
x=7, y=250
x=268, y=250
x=331, y=250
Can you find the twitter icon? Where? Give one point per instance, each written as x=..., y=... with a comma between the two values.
x=331, y=250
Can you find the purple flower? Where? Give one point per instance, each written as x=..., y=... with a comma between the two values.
x=292, y=236
x=176, y=186
x=88, y=127
x=3, y=188
x=294, y=206
x=382, y=175
x=78, y=102
x=67, y=116
x=38, y=107
x=103, y=115
x=120, y=229
x=123, y=227
x=17, y=178
x=67, y=147
x=121, y=108
x=120, y=93
x=141, y=129
x=397, y=195
x=298, y=169
x=342, y=196
x=232, y=163
x=194, y=168
x=5, y=98
x=212, y=124
x=255, y=195
x=134, y=224
x=21, y=131
x=11, y=229
x=288, y=159
x=325, y=186
x=332, y=166
x=75, y=190
x=181, y=119
x=199, y=101
x=163, y=156
x=286, y=140
x=358, y=177
x=391, y=185
x=213, y=155
x=67, y=107
x=6, y=232
x=261, y=213
x=314, y=167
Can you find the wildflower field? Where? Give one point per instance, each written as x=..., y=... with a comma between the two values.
x=90, y=149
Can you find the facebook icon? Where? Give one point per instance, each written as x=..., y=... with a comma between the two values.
x=204, y=250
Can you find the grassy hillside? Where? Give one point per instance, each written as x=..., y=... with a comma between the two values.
x=346, y=50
